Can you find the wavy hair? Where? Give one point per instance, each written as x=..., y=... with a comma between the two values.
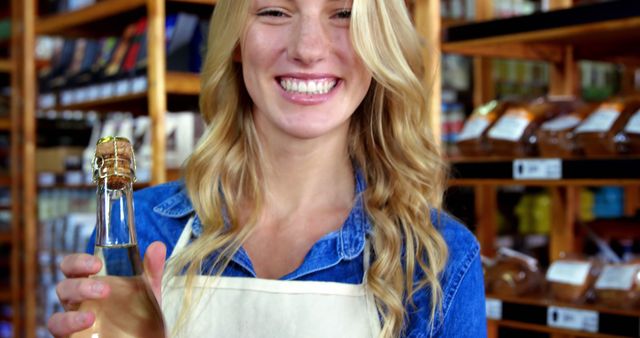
x=389, y=141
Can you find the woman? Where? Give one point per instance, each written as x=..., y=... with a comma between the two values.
x=313, y=197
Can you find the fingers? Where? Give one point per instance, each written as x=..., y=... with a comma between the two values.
x=80, y=265
x=72, y=292
x=64, y=324
x=154, y=260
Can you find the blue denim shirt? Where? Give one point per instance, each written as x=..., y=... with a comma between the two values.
x=161, y=213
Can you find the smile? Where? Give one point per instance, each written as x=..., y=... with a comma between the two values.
x=308, y=87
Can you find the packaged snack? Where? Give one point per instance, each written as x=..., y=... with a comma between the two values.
x=619, y=285
x=556, y=136
x=598, y=135
x=514, y=274
x=472, y=140
x=571, y=279
x=514, y=134
x=630, y=142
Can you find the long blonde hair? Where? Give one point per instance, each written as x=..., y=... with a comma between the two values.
x=389, y=141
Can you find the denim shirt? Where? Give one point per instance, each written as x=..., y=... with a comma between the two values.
x=161, y=213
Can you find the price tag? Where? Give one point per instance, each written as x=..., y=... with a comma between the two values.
x=80, y=95
x=573, y=319
x=93, y=93
x=139, y=84
x=537, y=169
x=107, y=90
x=122, y=88
x=46, y=101
x=494, y=308
x=66, y=98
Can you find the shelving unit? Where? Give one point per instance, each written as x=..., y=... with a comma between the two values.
x=163, y=90
x=603, y=31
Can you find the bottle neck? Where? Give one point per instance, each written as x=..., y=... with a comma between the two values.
x=115, y=221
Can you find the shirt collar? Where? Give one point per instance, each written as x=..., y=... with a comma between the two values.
x=351, y=236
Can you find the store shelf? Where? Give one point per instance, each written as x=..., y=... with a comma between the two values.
x=604, y=31
x=5, y=295
x=5, y=66
x=88, y=21
x=182, y=87
x=5, y=181
x=5, y=237
x=5, y=124
x=546, y=315
x=545, y=172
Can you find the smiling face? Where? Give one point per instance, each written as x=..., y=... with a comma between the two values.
x=300, y=68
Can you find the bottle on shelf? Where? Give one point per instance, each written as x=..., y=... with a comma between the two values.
x=116, y=247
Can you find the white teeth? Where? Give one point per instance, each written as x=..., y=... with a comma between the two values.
x=322, y=86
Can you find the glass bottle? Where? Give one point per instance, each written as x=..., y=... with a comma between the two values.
x=131, y=309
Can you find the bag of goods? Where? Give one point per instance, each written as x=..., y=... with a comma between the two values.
x=514, y=274
x=472, y=140
x=598, y=134
x=619, y=285
x=514, y=134
x=556, y=137
x=571, y=279
x=630, y=135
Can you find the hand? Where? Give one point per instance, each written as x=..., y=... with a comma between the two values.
x=79, y=287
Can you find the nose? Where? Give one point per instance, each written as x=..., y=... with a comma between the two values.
x=309, y=41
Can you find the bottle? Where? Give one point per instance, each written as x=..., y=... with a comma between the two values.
x=131, y=309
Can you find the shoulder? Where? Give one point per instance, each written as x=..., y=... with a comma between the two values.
x=161, y=213
x=461, y=242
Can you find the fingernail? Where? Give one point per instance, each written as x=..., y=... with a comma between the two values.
x=90, y=262
x=81, y=318
x=97, y=288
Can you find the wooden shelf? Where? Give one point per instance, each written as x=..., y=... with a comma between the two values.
x=5, y=296
x=5, y=237
x=182, y=87
x=608, y=40
x=5, y=124
x=5, y=66
x=88, y=21
x=5, y=181
x=533, y=313
x=616, y=171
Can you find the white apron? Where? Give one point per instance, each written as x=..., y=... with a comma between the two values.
x=239, y=307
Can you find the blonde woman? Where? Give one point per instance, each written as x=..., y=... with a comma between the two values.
x=310, y=207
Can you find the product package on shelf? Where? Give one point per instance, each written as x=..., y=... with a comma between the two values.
x=598, y=135
x=619, y=285
x=84, y=69
x=571, y=279
x=514, y=274
x=472, y=140
x=556, y=137
x=630, y=135
x=513, y=134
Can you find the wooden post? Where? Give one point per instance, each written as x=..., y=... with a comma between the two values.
x=486, y=205
x=483, y=86
x=16, y=162
x=564, y=206
x=27, y=93
x=426, y=12
x=565, y=76
x=156, y=74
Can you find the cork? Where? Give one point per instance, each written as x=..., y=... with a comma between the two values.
x=114, y=162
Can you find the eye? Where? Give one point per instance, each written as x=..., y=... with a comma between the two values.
x=276, y=13
x=343, y=14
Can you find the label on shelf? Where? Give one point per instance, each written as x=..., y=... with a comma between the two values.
x=510, y=126
x=617, y=277
x=600, y=121
x=573, y=319
x=473, y=128
x=633, y=126
x=66, y=97
x=561, y=123
x=494, y=308
x=93, y=93
x=122, y=88
x=537, y=169
x=569, y=272
x=139, y=84
x=81, y=95
x=107, y=90
x=46, y=101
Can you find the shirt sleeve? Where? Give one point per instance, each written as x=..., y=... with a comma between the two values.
x=467, y=312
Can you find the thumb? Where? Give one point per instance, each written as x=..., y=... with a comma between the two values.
x=154, y=260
